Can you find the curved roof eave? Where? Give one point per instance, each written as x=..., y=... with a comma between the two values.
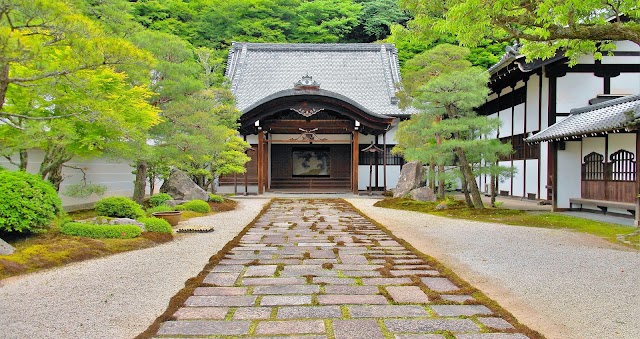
x=250, y=114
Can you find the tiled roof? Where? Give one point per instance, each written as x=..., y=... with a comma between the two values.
x=612, y=115
x=365, y=73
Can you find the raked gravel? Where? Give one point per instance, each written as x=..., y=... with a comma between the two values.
x=561, y=283
x=117, y=296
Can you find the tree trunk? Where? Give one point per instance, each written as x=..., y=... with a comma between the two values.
x=441, y=182
x=140, y=183
x=4, y=83
x=465, y=189
x=55, y=177
x=465, y=167
x=492, y=191
x=24, y=159
x=432, y=176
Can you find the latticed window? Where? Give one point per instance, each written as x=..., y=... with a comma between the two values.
x=366, y=158
x=593, y=167
x=623, y=166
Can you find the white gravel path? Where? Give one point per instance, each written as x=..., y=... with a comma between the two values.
x=117, y=296
x=563, y=284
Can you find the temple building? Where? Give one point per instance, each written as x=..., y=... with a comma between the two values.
x=312, y=113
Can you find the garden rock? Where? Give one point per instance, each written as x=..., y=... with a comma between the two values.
x=5, y=248
x=411, y=177
x=174, y=203
x=114, y=221
x=441, y=206
x=423, y=194
x=181, y=187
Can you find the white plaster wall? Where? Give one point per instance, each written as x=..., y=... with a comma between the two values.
x=532, y=103
x=586, y=59
x=532, y=177
x=495, y=134
x=618, y=141
x=252, y=139
x=544, y=123
x=115, y=174
x=504, y=184
x=518, y=119
x=391, y=135
x=505, y=127
x=544, y=160
x=626, y=83
x=569, y=170
x=393, y=173
x=592, y=144
x=518, y=178
x=575, y=90
x=623, y=46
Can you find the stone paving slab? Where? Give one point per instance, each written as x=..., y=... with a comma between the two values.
x=317, y=269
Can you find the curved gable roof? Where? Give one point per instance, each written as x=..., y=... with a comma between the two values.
x=367, y=74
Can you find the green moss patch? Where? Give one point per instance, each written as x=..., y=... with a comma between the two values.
x=458, y=210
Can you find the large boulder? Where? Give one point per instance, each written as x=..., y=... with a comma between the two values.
x=422, y=194
x=411, y=177
x=181, y=187
x=5, y=248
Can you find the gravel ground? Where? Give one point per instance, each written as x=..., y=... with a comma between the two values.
x=563, y=284
x=117, y=296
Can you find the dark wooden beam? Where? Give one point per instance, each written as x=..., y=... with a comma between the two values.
x=354, y=162
x=260, y=158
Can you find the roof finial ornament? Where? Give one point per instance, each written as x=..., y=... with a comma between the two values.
x=306, y=83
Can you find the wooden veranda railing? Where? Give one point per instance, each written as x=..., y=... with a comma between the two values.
x=614, y=180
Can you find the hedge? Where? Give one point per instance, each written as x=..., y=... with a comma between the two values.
x=199, y=206
x=100, y=231
x=156, y=225
x=118, y=207
x=27, y=203
x=159, y=199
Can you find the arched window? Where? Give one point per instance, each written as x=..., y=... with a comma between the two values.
x=593, y=167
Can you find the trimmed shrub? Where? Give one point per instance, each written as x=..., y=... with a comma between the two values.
x=161, y=208
x=199, y=206
x=215, y=198
x=118, y=207
x=159, y=199
x=100, y=231
x=27, y=203
x=180, y=208
x=156, y=225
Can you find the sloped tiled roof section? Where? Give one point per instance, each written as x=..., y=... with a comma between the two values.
x=613, y=115
x=365, y=73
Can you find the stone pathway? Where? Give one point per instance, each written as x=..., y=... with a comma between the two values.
x=318, y=269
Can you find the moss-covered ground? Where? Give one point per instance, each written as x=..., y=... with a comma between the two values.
x=52, y=249
x=458, y=209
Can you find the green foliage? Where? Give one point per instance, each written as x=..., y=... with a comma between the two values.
x=100, y=231
x=215, y=198
x=118, y=207
x=159, y=199
x=544, y=27
x=156, y=225
x=199, y=206
x=27, y=203
x=161, y=208
x=84, y=190
x=180, y=208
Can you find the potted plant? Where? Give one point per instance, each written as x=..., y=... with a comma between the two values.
x=172, y=217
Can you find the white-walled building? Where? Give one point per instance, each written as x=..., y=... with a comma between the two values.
x=533, y=99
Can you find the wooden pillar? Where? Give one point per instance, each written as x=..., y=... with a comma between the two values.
x=553, y=178
x=260, y=159
x=246, y=174
x=377, y=165
x=235, y=183
x=265, y=164
x=384, y=162
x=637, y=216
x=354, y=163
